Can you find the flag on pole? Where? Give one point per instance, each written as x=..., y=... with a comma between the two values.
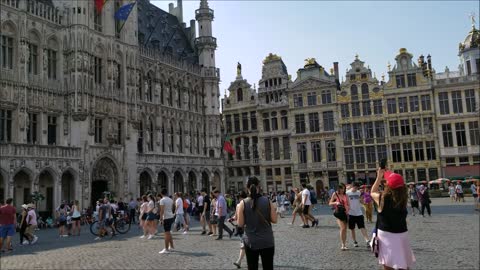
x=227, y=146
x=99, y=5
x=124, y=11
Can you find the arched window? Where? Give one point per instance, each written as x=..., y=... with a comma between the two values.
x=149, y=93
x=164, y=137
x=198, y=140
x=191, y=140
x=365, y=91
x=180, y=95
x=172, y=138
x=354, y=92
x=161, y=92
x=239, y=95
x=140, y=138
x=180, y=139
x=7, y=37
x=170, y=94
x=150, y=135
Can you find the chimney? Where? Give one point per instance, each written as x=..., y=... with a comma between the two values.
x=335, y=69
x=170, y=8
x=429, y=61
x=180, y=11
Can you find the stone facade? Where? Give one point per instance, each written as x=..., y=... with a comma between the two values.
x=87, y=108
x=340, y=131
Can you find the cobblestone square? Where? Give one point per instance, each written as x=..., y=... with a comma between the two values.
x=447, y=240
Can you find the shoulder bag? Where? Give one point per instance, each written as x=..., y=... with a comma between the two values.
x=340, y=211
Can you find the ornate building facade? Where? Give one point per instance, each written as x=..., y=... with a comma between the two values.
x=89, y=105
x=319, y=130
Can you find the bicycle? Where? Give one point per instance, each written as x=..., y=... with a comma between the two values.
x=121, y=224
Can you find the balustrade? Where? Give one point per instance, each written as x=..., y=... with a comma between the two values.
x=36, y=151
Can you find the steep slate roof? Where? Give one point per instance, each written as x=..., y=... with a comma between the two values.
x=164, y=29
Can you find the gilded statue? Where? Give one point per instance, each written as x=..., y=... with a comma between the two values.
x=310, y=61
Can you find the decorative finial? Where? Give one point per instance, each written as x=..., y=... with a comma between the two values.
x=472, y=19
x=254, y=87
x=356, y=56
x=388, y=65
x=383, y=77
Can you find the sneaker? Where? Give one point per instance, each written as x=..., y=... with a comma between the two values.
x=25, y=242
x=355, y=244
x=164, y=251
x=150, y=237
x=343, y=248
x=204, y=232
x=289, y=223
x=171, y=249
x=143, y=236
x=35, y=239
x=209, y=233
x=185, y=232
x=97, y=238
x=367, y=242
x=306, y=226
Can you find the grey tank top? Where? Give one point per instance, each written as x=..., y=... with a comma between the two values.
x=258, y=230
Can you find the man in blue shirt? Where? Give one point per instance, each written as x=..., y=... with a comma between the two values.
x=221, y=212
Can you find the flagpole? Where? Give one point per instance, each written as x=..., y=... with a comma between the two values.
x=120, y=30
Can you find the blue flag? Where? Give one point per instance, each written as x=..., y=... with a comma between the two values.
x=123, y=12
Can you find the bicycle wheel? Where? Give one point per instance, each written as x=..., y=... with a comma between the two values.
x=94, y=228
x=122, y=226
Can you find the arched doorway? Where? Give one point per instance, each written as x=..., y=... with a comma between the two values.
x=162, y=182
x=177, y=182
x=22, y=189
x=145, y=183
x=216, y=181
x=3, y=188
x=68, y=187
x=318, y=187
x=205, y=181
x=46, y=188
x=192, y=183
x=104, y=179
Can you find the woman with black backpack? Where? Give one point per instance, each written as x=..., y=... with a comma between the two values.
x=341, y=206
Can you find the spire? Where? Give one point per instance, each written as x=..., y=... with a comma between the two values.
x=203, y=4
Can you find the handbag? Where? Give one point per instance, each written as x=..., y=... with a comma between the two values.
x=340, y=211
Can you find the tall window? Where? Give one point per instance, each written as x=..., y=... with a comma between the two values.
x=379, y=129
x=284, y=120
x=97, y=70
x=405, y=127
x=367, y=110
x=412, y=79
x=5, y=125
x=470, y=99
x=474, y=133
x=347, y=132
x=246, y=147
x=419, y=156
x=266, y=122
x=400, y=79
x=302, y=152
x=348, y=155
x=33, y=59
x=238, y=148
x=443, y=102
x=286, y=147
x=245, y=121
x=344, y=110
x=239, y=95
x=414, y=105
x=228, y=123
x=276, y=148
x=396, y=152
x=326, y=97
x=407, y=152
x=297, y=100
x=331, y=150
x=359, y=155
x=354, y=92
x=355, y=108
x=314, y=124
x=300, y=123
x=97, y=21
x=416, y=126
x=426, y=104
x=255, y=147
x=469, y=67
x=357, y=131
x=457, y=102
x=236, y=122
x=391, y=106
x=328, y=121
x=381, y=152
x=371, y=154
x=447, y=135
x=461, y=134
x=377, y=107
x=311, y=99
x=316, y=151
x=52, y=130
x=402, y=105
x=32, y=128
x=118, y=81
x=6, y=52
x=98, y=130
x=393, y=125
x=365, y=94
x=369, y=131
x=268, y=149
x=430, y=147
x=274, y=121
x=118, y=140
x=427, y=125
x=52, y=64
x=253, y=120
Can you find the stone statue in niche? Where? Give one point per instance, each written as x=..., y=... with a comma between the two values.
x=25, y=53
x=284, y=99
x=158, y=88
x=115, y=71
x=45, y=60
x=159, y=137
x=147, y=139
x=145, y=84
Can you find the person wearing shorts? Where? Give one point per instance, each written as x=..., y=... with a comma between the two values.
x=298, y=209
x=355, y=214
x=7, y=224
x=167, y=218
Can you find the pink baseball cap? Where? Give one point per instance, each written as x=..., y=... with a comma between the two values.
x=394, y=180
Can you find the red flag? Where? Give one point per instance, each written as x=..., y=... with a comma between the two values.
x=227, y=146
x=99, y=5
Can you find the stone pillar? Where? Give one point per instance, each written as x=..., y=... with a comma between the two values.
x=170, y=183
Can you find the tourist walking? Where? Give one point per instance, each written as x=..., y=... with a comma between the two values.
x=368, y=204
x=221, y=213
x=473, y=188
x=201, y=210
x=23, y=226
x=394, y=249
x=306, y=204
x=7, y=225
x=31, y=221
x=424, y=198
x=179, y=219
x=297, y=204
x=132, y=206
x=340, y=202
x=76, y=216
x=412, y=192
x=151, y=215
x=459, y=192
x=256, y=215
x=166, y=218
x=239, y=232
x=61, y=213
x=280, y=204
x=143, y=216
x=213, y=217
x=355, y=214
x=452, y=193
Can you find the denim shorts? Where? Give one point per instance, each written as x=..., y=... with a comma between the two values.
x=7, y=230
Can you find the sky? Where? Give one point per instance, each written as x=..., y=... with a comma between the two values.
x=333, y=31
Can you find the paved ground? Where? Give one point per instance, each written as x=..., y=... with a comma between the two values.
x=447, y=240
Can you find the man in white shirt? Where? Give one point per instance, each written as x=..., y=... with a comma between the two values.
x=179, y=219
x=459, y=190
x=166, y=218
x=306, y=204
x=355, y=214
x=200, y=209
x=473, y=188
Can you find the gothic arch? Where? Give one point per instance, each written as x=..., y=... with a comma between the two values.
x=52, y=43
x=178, y=179
x=69, y=183
x=47, y=183
x=34, y=36
x=49, y=170
x=205, y=180
x=22, y=186
x=105, y=176
x=162, y=180
x=146, y=181
x=9, y=28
